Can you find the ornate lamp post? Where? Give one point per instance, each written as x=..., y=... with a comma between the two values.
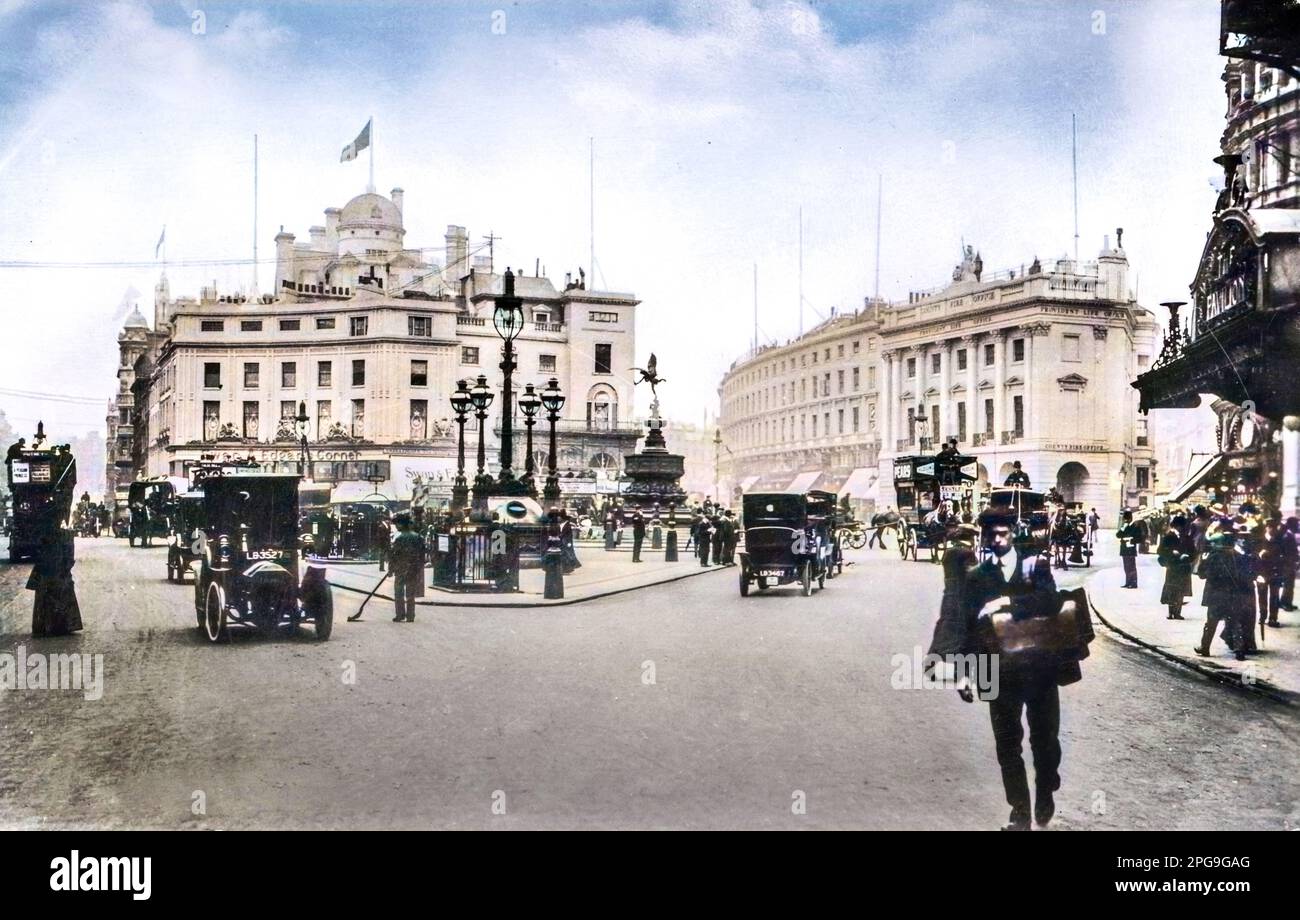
x=460, y=404
x=300, y=422
x=717, y=461
x=508, y=319
x=481, y=397
x=553, y=401
x=529, y=403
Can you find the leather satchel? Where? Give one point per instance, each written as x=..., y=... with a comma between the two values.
x=1039, y=630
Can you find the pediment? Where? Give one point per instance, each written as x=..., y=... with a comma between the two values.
x=1072, y=382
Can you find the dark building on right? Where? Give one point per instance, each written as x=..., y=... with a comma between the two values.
x=1238, y=340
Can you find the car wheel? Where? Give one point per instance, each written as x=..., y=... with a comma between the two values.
x=325, y=616
x=744, y=585
x=214, y=613
x=805, y=577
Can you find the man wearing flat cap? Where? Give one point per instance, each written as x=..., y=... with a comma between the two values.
x=1007, y=578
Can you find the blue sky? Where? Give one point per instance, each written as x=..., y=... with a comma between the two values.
x=713, y=124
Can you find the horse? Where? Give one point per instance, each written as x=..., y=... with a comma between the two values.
x=885, y=521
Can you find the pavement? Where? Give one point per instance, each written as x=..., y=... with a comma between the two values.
x=1138, y=615
x=602, y=573
x=679, y=706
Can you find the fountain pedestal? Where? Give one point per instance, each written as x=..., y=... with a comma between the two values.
x=655, y=473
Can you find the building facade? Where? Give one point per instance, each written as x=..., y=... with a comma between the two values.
x=1029, y=365
x=371, y=339
x=1239, y=340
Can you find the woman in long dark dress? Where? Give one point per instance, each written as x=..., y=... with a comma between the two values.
x=55, y=611
x=1175, y=554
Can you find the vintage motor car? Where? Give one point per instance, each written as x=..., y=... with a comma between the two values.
x=787, y=539
x=184, y=545
x=1032, y=534
x=151, y=504
x=249, y=572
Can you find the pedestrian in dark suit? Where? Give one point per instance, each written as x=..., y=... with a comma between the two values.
x=1175, y=553
x=702, y=533
x=731, y=537
x=638, y=535
x=716, y=538
x=1290, y=559
x=1017, y=477
x=1130, y=535
x=973, y=590
x=1229, y=589
x=407, y=562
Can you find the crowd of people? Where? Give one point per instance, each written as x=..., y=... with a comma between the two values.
x=1247, y=561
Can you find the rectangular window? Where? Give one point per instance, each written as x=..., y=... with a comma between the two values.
x=857, y=377
x=541, y=318
x=124, y=416
x=990, y=354
x=840, y=421
x=826, y=384
x=988, y=417
x=358, y=418
x=911, y=424
x=839, y=352
x=290, y=325
x=911, y=367
x=324, y=374
x=601, y=316
x=250, y=420
x=1144, y=360
x=814, y=426
x=935, y=363
x=212, y=375
x=359, y=372
x=546, y=364
x=358, y=325
x=1017, y=349
x=961, y=421
x=961, y=359
x=252, y=375
x=419, y=419
x=839, y=381
x=1143, y=477
x=420, y=326
x=469, y=354
x=211, y=420
x=871, y=377
x=324, y=417
x=289, y=374
x=288, y=409
x=1070, y=348
x=855, y=418
x=828, y=354
x=419, y=373
x=212, y=325
x=857, y=346
x=935, y=434
x=604, y=358
x=1018, y=406
x=250, y=325
x=324, y=322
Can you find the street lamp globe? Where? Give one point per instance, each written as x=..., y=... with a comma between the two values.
x=301, y=420
x=551, y=396
x=508, y=315
x=481, y=394
x=529, y=401
x=460, y=400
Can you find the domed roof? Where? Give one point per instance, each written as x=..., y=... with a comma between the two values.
x=136, y=320
x=372, y=211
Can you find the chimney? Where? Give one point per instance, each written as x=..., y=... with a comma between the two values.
x=283, y=258
x=332, y=226
x=317, y=237
x=457, y=241
x=397, y=195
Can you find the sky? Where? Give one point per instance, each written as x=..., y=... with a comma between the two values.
x=713, y=124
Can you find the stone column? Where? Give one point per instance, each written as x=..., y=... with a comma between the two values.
x=884, y=417
x=1290, y=499
x=895, y=407
x=946, y=425
x=999, y=386
x=971, y=344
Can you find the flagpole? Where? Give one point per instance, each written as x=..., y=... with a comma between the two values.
x=371, y=187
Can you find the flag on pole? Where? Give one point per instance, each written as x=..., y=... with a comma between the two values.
x=361, y=143
x=162, y=238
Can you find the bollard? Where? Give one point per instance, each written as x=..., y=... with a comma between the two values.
x=609, y=535
x=553, y=562
x=670, y=546
x=657, y=537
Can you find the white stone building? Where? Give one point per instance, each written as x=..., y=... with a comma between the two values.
x=1032, y=365
x=371, y=337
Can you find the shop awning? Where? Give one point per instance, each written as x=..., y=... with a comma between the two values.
x=804, y=481
x=1199, y=476
x=748, y=483
x=862, y=483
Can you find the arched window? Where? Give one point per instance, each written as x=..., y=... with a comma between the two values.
x=602, y=408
